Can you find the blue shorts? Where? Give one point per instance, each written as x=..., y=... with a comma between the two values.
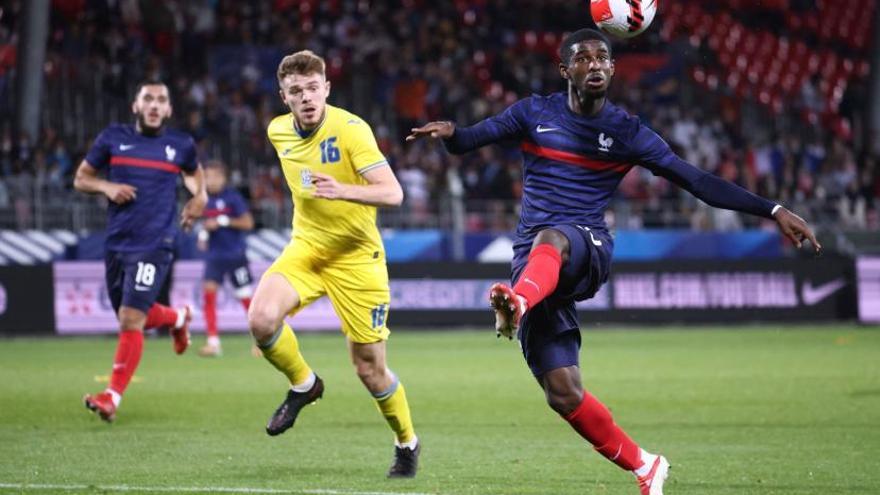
x=135, y=279
x=549, y=332
x=237, y=269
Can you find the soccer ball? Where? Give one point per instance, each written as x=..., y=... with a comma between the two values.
x=623, y=18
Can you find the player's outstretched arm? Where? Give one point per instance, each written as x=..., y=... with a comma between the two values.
x=382, y=188
x=195, y=184
x=720, y=193
x=87, y=181
x=507, y=125
x=653, y=153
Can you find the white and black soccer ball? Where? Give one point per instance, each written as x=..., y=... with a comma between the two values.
x=623, y=18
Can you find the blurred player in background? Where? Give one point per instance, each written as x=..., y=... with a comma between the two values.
x=226, y=221
x=577, y=146
x=141, y=163
x=338, y=177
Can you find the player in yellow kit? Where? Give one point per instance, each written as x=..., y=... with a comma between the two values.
x=338, y=177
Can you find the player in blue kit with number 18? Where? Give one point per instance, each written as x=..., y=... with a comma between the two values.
x=141, y=163
x=577, y=146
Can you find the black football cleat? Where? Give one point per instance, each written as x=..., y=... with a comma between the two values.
x=406, y=462
x=287, y=412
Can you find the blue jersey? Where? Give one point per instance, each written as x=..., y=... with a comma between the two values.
x=226, y=242
x=573, y=163
x=151, y=164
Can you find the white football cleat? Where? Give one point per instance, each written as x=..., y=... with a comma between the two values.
x=652, y=483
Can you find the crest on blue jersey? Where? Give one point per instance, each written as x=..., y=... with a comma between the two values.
x=605, y=142
x=170, y=153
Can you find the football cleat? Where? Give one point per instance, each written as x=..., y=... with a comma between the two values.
x=180, y=335
x=406, y=462
x=287, y=412
x=509, y=308
x=209, y=350
x=102, y=405
x=652, y=483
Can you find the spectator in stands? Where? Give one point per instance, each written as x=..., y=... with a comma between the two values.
x=412, y=59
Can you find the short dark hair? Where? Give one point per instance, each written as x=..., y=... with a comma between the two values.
x=586, y=34
x=216, y=165
x=148, y=82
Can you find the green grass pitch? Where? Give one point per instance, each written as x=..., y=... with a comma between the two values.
x=737, y=410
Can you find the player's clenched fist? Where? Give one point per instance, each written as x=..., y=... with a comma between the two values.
x=443, y=129
x=192, y=211
x=327, y=187
x=120, y=193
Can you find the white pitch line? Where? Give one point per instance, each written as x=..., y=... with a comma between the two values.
x=192, y=489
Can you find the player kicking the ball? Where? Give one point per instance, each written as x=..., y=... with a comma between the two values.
x=338, y=177
x=577, y=146
x=141, y=162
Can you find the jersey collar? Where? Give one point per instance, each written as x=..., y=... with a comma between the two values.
x=605, y=108
x=306, y=134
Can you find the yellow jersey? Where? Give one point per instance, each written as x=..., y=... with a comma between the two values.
x=342, y=146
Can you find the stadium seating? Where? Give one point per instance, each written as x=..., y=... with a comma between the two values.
x=772, y=69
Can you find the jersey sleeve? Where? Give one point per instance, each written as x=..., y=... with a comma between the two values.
x=239, y=205
x=511, y=124
x=191, y=159
x=100, y=153
x=363, y=151
x=652, y=152
x=272, y=131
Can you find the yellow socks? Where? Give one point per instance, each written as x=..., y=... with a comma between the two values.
x=283, y=352
x=392, y=404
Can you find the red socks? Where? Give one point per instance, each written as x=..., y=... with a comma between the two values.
x=210, y=311
x=540, y=276
x=594, y=422
x=128, y=355
x=160, y=316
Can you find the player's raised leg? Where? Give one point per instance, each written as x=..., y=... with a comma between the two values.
x=537, y=281
x=178, y=319
x=390, y=396
x=273, y=300
x=593, y=421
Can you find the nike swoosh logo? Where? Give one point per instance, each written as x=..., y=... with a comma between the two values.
x=813, y=295
x=593, y=239
x=125, y=147
x=541, y=129
x=141, y=288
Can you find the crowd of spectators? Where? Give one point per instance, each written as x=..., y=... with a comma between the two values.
x=396, y=64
